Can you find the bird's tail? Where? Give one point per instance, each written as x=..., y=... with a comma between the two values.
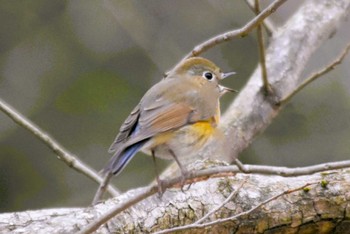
x=122, y=158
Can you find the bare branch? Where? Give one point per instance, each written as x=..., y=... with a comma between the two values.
x=288, y=52
x=62, y=153
x=154, y=214
x=201, y=48
x=102, y=188
x=289, y=172
x=218, y=171
x=261, y=46
x=316, y=75
x=268, y=24
x=272, y=170
x=235, y=217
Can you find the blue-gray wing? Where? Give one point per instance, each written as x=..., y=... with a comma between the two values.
x=126, y=129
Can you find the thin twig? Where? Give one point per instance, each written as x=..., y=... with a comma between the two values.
x=272, y=170
x=229, y=198
x=62, y=153
x=235, y=217
x=285, y=171
x=240, y=165
x=102, y=188
x=268, y=24
x=316, y=75
x=261, y=46
x=204, y=46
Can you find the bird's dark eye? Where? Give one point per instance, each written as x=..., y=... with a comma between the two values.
x=208, y=75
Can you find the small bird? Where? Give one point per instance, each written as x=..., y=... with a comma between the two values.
x=175, y=118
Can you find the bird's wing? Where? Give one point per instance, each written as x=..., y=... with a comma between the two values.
x=142, y=124
x=165, y=117
x=126, y=129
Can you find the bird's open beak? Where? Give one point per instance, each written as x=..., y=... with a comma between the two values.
x=224, y=90
x=224, y=75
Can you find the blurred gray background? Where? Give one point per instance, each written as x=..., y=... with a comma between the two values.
x=77, y=68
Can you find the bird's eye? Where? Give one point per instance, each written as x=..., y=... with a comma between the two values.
x=208, y=75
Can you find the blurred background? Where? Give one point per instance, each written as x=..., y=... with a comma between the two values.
x=77, y=68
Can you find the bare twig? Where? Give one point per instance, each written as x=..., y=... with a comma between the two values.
x=316, y=75
x=102, y=188
x=240, y=165
x=288, y=172
x=204, y=46
x=261, y=46
x=206, y=173
x=268, y=24
x=272, y=170
x=235, y=217
x=62, y=153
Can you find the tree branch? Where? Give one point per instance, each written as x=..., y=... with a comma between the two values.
x=286, y=57
x=321, y=204
x=62, y=153
x=290, y=172
x=198, y=225
x=204, y=46
x=227, y=200
x=316, y=75
x=201, y=175
x=261, y=46
x=268, y=24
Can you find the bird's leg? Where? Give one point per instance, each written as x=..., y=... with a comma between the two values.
x=159, y=182
x=184, y=172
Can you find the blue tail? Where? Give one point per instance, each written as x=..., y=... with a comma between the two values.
x=120, y=160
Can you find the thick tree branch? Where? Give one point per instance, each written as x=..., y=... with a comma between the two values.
x=286, y=57
x=227, y=200
x=198, y=225
x=324, y=203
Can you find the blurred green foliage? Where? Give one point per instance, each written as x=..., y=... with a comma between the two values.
x=77, y=68
x=97, y=90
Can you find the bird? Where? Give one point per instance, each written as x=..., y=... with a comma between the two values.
x=175, y=117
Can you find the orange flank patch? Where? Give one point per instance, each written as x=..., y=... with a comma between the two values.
x=196, y=134
x=203, y=128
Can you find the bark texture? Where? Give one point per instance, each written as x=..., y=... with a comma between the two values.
x=323, y=207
